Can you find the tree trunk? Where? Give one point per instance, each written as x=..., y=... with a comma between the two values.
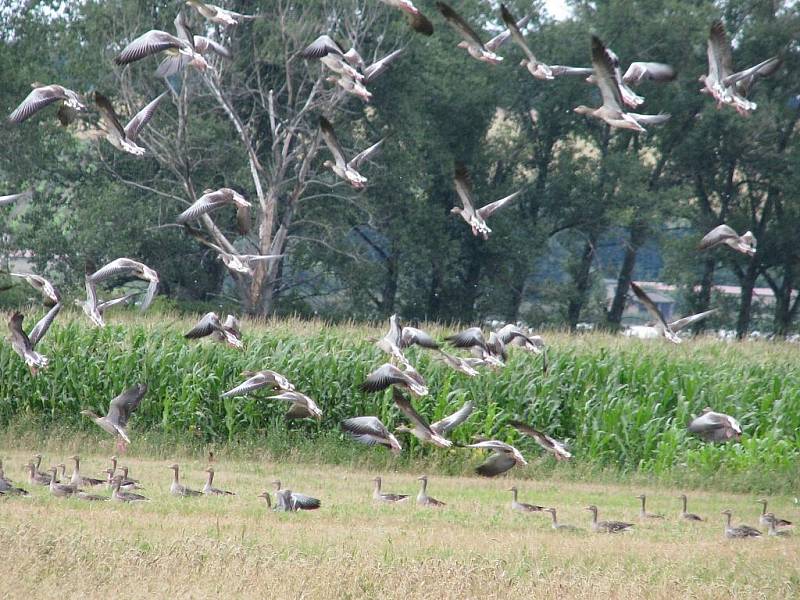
x=637, y=238
x=747, y=282
x=582, y=282
x=389, y=294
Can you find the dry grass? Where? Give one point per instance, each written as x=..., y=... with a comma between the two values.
x=473, y=548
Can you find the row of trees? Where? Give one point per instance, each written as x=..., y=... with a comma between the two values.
x=395, y=247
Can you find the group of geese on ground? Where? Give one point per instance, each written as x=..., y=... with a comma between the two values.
x=122, y=490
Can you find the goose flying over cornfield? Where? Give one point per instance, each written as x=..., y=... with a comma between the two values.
x=259, y=380
x=447, y=424
x=220, y=16
x=550, y=444
x=119, y=412
x=347, y=170
x=370, y=431
x=493, y=351
x=398, y=338
x=421, y=430
x=209, y=324
x=723, y=234
x=44, y=95
x=42, y=285
x=389, y=375
x=124, y=138
x=648, y=332
x=179, y=51
x=302, y=407
x=11, y=198
x=457, y=363
x=476, y=219
x=94, y=309
x=25, y=345
x=127, y=266
x=606, y=68
x=504, y=457
x=715, y=427
x=416, y=19
x=472, y=41
x=212, y=200
x=655, y=312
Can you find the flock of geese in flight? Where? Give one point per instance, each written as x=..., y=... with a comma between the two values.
x=351, y=74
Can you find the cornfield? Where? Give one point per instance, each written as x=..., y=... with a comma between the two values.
x=621, y=404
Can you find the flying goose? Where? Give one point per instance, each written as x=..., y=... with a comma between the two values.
x=643, y=514
x=11, y=198
x=124, y=496
x=472, y=42
x=302, y=407
x=423, y=499
x=388, y=375
x=503, y=459
x=120, y=410
x=398, y=338
x=648, y=71
x=260, y=379
x=628, y=96
x=220, y=16
x=179, y=52
x=60, y=490
x=772, y=523
x=606, y=68
x=124, y=138
x=42, y=285
x=744, y=81
x=210, y=490
x=241, y=263
x=209, y=324
x=687, y=516
x=333, y=56
x=380, y=496
x=607, y=526
x=376, y=69
x=715, y=427
x=95, y=309
x=450, y=422
x=24, y=345
x=742, y=531
x=178, y=489
x=655, y=312
x=559, y=526
x=421, y=430
x=370, y=431
x=212, y=200
x=343, y=169
x=764, y=520
x=522, y=506
x=127, y=266
x=535, y=67
x=44, y=95
x=351, y=86
x=294, y=500
x=647, y=332
x=77, y=480
x=457, y=363
x=476, y=219
x=513, y=335
x=723, y=234
x=416, y=19
x=552, y=445
x=493, y=352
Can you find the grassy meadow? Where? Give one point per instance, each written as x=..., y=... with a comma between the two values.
x=475, y=547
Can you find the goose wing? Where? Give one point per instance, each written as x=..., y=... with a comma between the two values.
x=404, y=404
x=118, y=266
x=123, y=406
x=501, y=38
x=208, y=324
x=651, y=306
x=749, y=76
x=514, y=31
x=366, y=430
x=446, y=425
x=384, y=376
x=148, y=44
x=109, y=115
x=603, y=64
x=412, y=335
x=420, y=23
x=304, y=502
x=142, y=118
x=210, y=200
x=720, y=56
x=690, y=320
x=329, y=135
x=256, y=382
x=718, y=235
x=37, y=100
x=464, y=188
x=472, y=337
x=377, y=68
x=41, y=284
x=496, y=464
x=459, y=24
x=654, y=71
x=105, y=305
x=38, y=331
x=487, y=211
x=558, y=70
x=4, y=200
x=322, y=46
x=364, y=156
x=204, y=44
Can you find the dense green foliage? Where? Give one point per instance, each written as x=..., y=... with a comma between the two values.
x=622, y=404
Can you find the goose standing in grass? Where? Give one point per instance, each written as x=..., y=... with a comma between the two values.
x=416, y=19
x=128, y=267
x=119, y=412
x=559, y=526
x=765, y=520
x=504, y=457
x=62, y=473
x=11, y=198
x=44, y=95
x=772, y=523
x=723, y=234
x=179, y=51
x=370, y=431
x=347, y=170
x=380, y=496
x=472, y=42
x=476, y=219
x=522, y=506
x=715, y=427
x=176, y=488
x=301, y=406
x=212, y=200
x=125, y=484
x=295, y=500
x=43, y=286
x=742, y=531
x=60, y=490
x=643, y=514
x=445, y=425
x=258, y=380
x=124, y=138
x=210, y=490
x=423, y=499
x=687, y=516
x=265, y=495
x=24, y=345
x=611, y=112
x=35, y=477
x=389, y=375
x=77, y=480
x=8, y=488
x=124, y=496
x=550, y=444
x=421, y=429
x=220, y=16
x=607, y=526
x=209, y=324
x=655, y=312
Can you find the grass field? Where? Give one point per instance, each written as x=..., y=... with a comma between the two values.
x=473, y=548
